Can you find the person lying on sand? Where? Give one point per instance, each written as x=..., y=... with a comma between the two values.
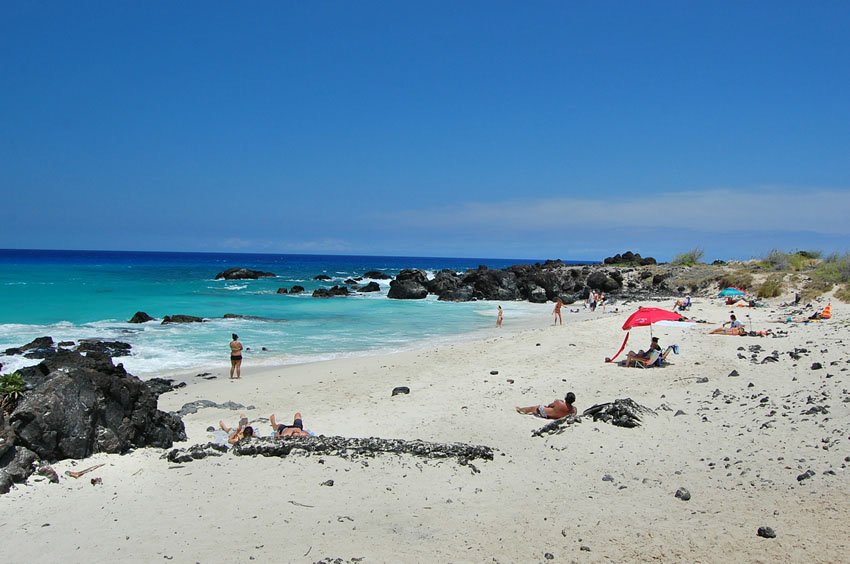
x=555, y=410
x=242, y=431
x=735, y=327
x=295, y=430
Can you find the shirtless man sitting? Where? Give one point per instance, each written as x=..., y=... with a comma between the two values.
x=555, y=410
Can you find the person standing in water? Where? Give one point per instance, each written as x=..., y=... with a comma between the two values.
x=235, y=357
x=499, y=317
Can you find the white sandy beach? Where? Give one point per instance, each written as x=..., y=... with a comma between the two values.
x=738, y=451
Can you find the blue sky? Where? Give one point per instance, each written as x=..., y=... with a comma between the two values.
x=570, y=130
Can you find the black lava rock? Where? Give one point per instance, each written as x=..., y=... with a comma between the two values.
x=78, y=405
x=181, y=319
x=243, y=274
x=376, y=275
x=140, y=317
x=766, y=532
x=805, y=475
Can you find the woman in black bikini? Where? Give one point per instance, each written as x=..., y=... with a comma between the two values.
x=235, y=356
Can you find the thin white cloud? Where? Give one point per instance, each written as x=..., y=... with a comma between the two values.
x=317, y=246
x=237, y=244
x=821, y=211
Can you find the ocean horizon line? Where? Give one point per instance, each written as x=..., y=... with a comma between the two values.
x=281, y=254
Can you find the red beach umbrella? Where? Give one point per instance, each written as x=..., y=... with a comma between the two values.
x=648, y=315
x=641, y=318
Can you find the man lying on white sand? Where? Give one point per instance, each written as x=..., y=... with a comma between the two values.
x=294, y=430
x=555, y=410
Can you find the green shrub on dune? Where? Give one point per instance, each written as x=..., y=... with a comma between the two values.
x=796, y=261
x=772, y=287
x=690, y=258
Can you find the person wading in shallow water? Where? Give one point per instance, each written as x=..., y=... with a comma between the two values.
x=235, y=357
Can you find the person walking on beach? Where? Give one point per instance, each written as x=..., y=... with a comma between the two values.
x=555, y=410
x=557, y=312
x=499, y=317
x=235, y=357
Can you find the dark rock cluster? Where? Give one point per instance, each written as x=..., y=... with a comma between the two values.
x=629, y=258
x=376, y=275
x=45, y=347
x=537, y=283
x=75, y=406
x=621, y=412
x=243, y=274
x=180, y=318
x=344, y=447
x=140, y=317
x=331, y=292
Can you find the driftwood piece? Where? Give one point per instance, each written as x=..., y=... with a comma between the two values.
x=344, y=447
x=79, y=473
x=621, y=412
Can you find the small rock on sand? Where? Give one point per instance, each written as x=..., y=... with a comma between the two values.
x=683, y=494
x=766, y=532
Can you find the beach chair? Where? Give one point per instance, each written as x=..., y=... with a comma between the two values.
x=654, y=356
x=662, y=358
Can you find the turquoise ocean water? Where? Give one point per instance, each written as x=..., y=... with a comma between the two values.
x=72, y=295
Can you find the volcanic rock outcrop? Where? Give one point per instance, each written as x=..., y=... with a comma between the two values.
x=75, y=406
x=243, y=274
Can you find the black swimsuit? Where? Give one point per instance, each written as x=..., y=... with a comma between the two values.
x=236, y=357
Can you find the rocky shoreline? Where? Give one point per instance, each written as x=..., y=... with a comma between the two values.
x=76, y=405
x=626, y=276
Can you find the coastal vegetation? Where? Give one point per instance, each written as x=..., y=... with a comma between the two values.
x=808, y=272
x=689, y=258
x=11, y=388
x=772, y=287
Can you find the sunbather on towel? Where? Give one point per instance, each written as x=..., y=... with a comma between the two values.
x=555, y=410
x=735, y=327
x=243, y=430
x=295, y=430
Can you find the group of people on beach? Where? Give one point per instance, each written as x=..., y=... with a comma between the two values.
x=555, y=410
x=595, y=300
x=281, y=431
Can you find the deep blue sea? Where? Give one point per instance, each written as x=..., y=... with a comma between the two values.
x=72, y=295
